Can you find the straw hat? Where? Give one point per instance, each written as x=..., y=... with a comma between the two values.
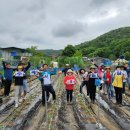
x=93, y=67
x=107, y=67
x=69, y=71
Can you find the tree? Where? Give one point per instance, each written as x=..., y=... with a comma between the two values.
x=127, y=55
x=78, y=54
x=37, y=56
x=35, y=52
x=109, y=45
x=69, y=51
x=32, y=49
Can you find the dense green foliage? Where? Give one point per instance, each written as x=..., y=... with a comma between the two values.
x=37, y=56
x=69, y=51
x=71, y=61
x=51, y=52
x=110, y=45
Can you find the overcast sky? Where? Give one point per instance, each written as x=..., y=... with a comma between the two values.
x=52, y=24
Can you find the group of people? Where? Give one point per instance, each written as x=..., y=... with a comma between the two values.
x=44, y=76
x=20, y=80
x=112, y=82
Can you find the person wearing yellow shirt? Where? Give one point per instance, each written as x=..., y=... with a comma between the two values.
x=118, y=76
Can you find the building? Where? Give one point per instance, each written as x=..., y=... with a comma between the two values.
x=12, y=53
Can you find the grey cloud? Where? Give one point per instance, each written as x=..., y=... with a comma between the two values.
x=68, y=29
x=55, y=23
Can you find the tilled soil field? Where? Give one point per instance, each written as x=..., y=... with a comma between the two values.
x=80, y=115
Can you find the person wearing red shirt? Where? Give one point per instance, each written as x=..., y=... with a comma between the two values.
x=108, y=75
x=69, y=82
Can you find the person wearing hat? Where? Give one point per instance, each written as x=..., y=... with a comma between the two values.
x=69, y=82
x=100, y=71
x=8, y=75
x=125, y=78
x=19, y=76
x=118, y=76
x=25, y=85
x=108, y=76
x=67, y=67
x=92, y=76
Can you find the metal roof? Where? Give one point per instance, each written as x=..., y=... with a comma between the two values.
x=6, y=48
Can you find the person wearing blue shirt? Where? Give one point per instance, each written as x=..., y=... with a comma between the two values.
x=8, y=75
x=47, y=85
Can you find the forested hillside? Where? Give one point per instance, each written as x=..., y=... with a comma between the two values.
x=111, y=44
x=51, y=52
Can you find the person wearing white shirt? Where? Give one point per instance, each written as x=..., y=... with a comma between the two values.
x=125, y=78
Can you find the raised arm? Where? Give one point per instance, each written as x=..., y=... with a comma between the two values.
x=28, y=66
x=4, y=65
x=53, y=72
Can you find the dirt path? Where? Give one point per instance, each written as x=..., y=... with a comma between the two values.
x=9, y=118
x=123, y=111
x=69, y=116
x=36, y=120
x=106, y=119
x=67, y=120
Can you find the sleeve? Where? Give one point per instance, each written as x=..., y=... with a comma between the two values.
x=14, y=69
x=53, y=72
x=40, y=77
x=96, y=65
x=24, y=75
x=4, y=67
x=28, y=66
x=14, y=75
x=126, y=75
x=114, y=74
x=104, y=77
x=64, y=80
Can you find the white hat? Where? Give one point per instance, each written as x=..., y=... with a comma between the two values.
x=69, y=71
x=67, y=65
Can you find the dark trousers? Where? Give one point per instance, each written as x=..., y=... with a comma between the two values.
x=69, y=95
x=85, y=83
x=92, y=93
x=7, y=87
x=118, y=92
x=48, y=89
x=1, y=100
x=123, y=89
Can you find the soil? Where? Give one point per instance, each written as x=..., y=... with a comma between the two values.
x=66, y=113
x=67, y=120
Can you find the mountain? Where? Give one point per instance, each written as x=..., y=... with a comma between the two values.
x=51, y=52
x=110, y=45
